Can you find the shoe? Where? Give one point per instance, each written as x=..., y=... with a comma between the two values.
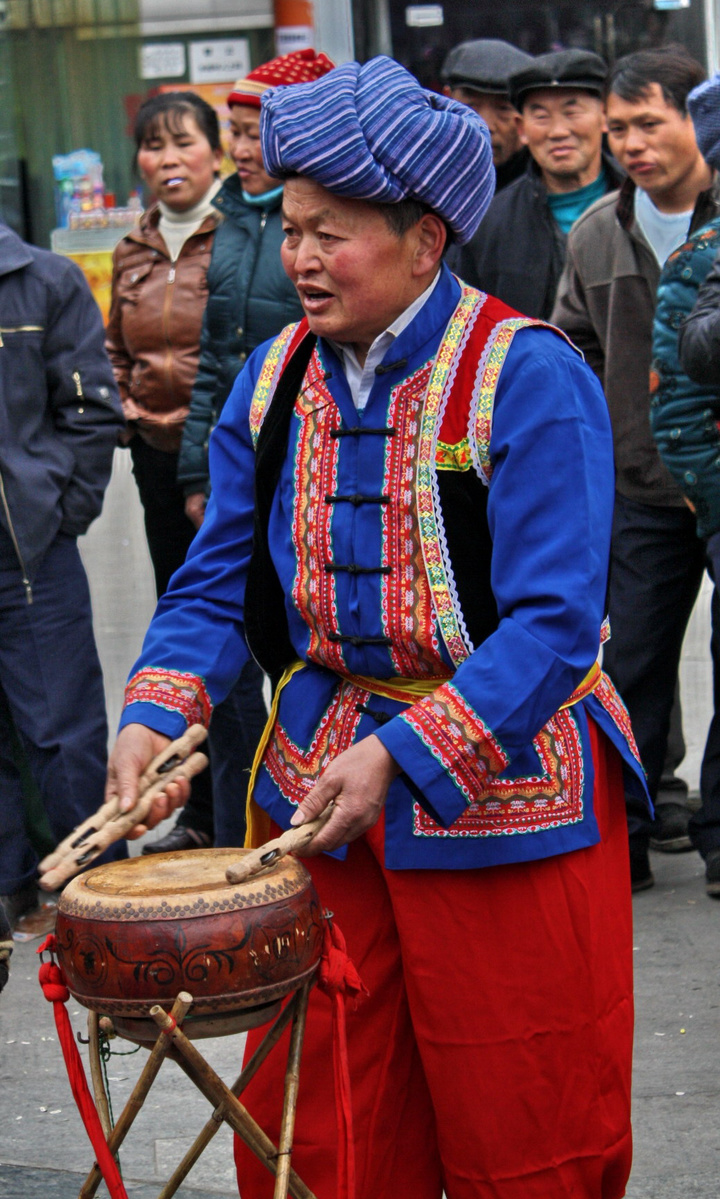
x=18, y=903
x=670, y=830
x=712, y=874
x=179, y=837
x=641, y=876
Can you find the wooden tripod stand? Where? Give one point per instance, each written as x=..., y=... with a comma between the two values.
x=174, y=1044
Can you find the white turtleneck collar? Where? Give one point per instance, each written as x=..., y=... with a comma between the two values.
x=177, y=227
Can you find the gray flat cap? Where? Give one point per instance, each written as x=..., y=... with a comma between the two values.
x=484, y=65
x=563, y=68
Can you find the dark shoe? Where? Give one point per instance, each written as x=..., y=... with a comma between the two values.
x=670, y=830
x=641, y=876
x=712, y=874
x=19, y=903
x=179, y=837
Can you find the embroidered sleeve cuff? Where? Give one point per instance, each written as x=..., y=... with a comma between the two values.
x=461, y=756
x=174, y=692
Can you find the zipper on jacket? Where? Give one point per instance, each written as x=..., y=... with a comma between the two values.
x=26, y=582
x=78, y=384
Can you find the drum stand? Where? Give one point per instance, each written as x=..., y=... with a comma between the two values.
x=173, y=1043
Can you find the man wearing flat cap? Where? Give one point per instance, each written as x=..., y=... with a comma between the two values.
x=476, y=73
x=420, y=567
x=518, y=252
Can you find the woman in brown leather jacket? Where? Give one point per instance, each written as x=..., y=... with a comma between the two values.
x=158, y=299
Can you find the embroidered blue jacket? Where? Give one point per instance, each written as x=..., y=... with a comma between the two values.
x=495, y=766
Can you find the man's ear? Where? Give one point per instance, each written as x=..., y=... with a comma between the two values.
x=447, y=91
x=520, y=127
x=431, y=238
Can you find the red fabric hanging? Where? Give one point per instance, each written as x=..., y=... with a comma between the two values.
x=339, y=980
x=52, y=981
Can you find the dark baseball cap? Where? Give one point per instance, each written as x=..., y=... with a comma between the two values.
x=563, y=68
x=484, y=65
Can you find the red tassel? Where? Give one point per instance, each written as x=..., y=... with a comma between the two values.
x=339, y=980
x=55, y=990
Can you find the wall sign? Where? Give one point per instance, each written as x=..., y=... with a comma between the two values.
x=422, y=15
x=161, y=60
x=222, y=60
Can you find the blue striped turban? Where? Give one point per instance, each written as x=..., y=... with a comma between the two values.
x=371, y=132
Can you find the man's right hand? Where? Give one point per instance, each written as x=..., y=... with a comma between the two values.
x=195, y=507
x=133, y=752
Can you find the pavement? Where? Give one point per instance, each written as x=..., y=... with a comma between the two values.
x=44, y=1150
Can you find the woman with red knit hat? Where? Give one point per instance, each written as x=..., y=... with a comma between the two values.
x=250, y=299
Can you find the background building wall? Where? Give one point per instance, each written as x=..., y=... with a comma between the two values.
x=73, y=72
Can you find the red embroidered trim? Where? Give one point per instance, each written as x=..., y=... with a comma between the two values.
x=173, y=690
x=607, y=695
x=549, y=800
x=294, y=769
x=458, y=738
x=408, y=613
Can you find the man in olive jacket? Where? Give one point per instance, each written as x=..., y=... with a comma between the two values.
x=606, y=303
x=59, y=421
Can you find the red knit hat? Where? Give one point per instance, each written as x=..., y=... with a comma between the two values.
x=302, y=66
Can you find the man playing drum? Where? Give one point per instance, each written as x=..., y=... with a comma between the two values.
x=423, y=576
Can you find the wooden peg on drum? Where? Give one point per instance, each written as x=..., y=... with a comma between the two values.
x=109, y=824
x=256, y=861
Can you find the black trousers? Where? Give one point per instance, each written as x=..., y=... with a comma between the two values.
x=705, y=824
x=169, y=531
x=657, y=565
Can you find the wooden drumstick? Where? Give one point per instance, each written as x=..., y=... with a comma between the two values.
x=256, y=861
x=109, y=824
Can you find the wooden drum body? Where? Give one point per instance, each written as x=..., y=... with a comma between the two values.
x=135, y=933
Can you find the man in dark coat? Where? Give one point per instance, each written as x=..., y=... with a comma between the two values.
x=476, y=73
x=518, y=252
x=59, y=421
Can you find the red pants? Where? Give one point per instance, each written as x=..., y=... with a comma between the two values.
x=493, y=1056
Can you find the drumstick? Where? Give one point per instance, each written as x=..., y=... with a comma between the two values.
x=109, y=824
x=294, y=839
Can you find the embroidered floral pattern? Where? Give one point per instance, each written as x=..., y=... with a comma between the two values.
x=173, y=690
x=607, y=695
x=454, y=733
x=408, y=615
x=268, y=378
x=486, y=381
x=443, y=592
x=551, y=799
x=315, y=471
x=453, y=457
x=294, y=768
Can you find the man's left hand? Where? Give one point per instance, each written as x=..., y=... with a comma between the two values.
x=357, y=782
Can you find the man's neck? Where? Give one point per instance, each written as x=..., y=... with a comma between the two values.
x=560, y=184
x=360, y=349
x=683, y=196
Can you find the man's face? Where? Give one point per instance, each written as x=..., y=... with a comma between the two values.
x=563, y=128
x=354, y=275
x=654, y=142
x=499, y=116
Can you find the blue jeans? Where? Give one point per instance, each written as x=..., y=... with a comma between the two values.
x=51, y=677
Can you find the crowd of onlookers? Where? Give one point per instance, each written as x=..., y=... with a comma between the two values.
x=605, y=222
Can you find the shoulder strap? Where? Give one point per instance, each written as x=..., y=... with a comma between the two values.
x=266, y=628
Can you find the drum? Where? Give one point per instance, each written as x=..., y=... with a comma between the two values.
x=134, y=933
